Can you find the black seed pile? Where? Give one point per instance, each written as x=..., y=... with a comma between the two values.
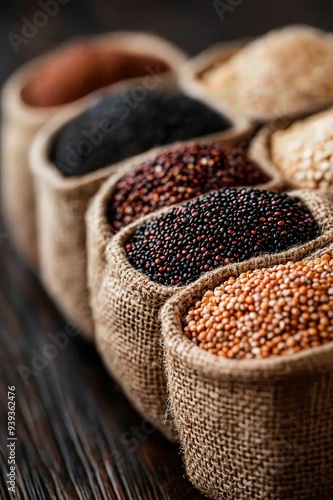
x=177, y=175
x=121, y=125
x=231, y=225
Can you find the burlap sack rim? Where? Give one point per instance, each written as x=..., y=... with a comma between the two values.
x=211, y=366
x=319, y=252
x=136, y=42
x=41, y=165
x=97, y=212
x=260, y=146
x=39, y=155
x=11, y=97
x=139, y=283
x=190, y=76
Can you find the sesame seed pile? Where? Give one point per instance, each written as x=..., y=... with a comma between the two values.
x=269, y=312
x=178, y=175
x=122, y=125
x=230, y=225
x=304, y=151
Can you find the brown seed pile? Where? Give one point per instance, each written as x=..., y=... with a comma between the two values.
x=304, y=151
x=269, y=312
x=287, y=70
x=76, y=69
x=178, y=175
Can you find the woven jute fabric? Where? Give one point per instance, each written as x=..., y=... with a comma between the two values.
x=252, y=429
x=190, y=74
x=126, y=306
x=99, y=230
x=319, y=252
x=240, y=90
x=126, y=310
x=61, y=207
x=260, y=148
x=253, y=81
x=143, y=380
x=21, y=121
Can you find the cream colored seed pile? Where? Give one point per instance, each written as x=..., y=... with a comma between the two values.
x=285, y=71
x=269, y=312
x=304, y=151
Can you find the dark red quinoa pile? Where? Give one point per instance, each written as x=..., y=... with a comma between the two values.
x=178, y=175
x=230, y=225
x=122, y=125
x=277, y=311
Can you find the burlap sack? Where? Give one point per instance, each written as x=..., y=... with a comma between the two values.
x=257, y=429
x=100, y=232
x=260, y=148
x=21, y=121
x=19, y=125
x=61, y=204
x=191, y=79
x=190, y=73
x=126, y=310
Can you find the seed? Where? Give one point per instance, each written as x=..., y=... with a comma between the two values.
x=178, y=175
x=118, y=126
x=216, y=215
x=298, y=331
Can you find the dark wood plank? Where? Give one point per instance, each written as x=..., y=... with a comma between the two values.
x=76, y=432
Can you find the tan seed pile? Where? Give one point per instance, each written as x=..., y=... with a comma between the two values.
x=287, y=70
x=269, y=312
x=304, y=151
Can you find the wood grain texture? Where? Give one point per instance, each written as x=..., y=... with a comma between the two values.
x=77, y=436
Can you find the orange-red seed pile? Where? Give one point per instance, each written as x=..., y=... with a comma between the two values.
x=267, y=312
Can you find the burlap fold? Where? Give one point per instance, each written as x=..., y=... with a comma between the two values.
x=127, y=304
x=252, y=429
x=21, y=121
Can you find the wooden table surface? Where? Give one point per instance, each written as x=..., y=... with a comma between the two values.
x=77, y=435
